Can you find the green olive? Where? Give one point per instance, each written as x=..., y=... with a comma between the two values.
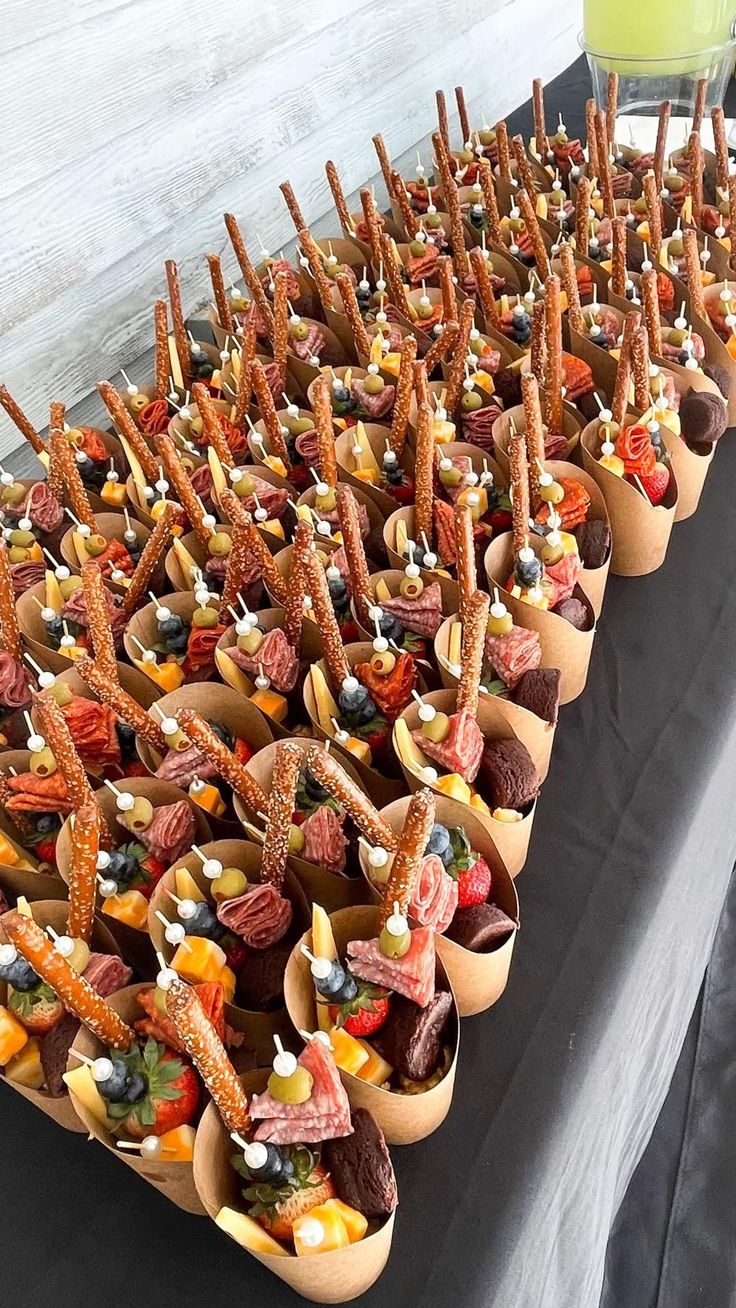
x=43, y=762
x=374, y=383
x=552, y=494
x=417, y=249
x=392, y=946
x=219, y=544
x=297, y=426
x=437, y=729
x=140, y=816
x=23, y=538
x=68, y=586
x=298, y=331
x=425, y=311
x=95, y=545
x=204, y=618
x=14, y=494
x=297, y=839
x=471, y=400
x=383, y=663
x=62, y=693
x=196, y=426
x=551, y=554
x=17, y=554
x=411, y=587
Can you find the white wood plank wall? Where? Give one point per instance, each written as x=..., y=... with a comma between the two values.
x=130, y=126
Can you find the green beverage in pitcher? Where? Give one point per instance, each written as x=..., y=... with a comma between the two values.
x=672, y=34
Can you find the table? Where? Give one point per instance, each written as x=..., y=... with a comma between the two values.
x=511, y=1201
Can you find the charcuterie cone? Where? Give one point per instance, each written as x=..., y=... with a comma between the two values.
x=112, y=526
x=18, y=865
x=142, y=633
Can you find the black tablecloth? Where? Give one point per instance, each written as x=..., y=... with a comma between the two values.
x=558, y=1087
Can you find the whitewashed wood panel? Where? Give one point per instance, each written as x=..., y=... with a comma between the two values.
x=140, y=163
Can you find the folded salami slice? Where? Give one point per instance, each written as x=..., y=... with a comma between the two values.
x=513, y=654
x=172, y=831
x=434, y=898
x=260, y=917
x=422, y=615
x=107, y=973
x=181, y=766
x=275, y=656
x=376, y=406
x=564, y=576
x=324, y=1116
x=462, y=748
x=411, y=976
x=324, y=839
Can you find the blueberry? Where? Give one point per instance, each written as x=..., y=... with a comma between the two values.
x=46, y=823
x=273, y=1170
x=314, y=788
x=391, y=628
x=528, y=573
x=447, y=855
x=119, y=861
x=204, y=923
x=394, y=475
x=367, y=712
x=333, y=983
x=126, y=739
x=222, y=731
x=115, y=1087
x=20, y=975
x=439, y=839
x=55, y=627
x=178, y=644
x=172, y=626
x=338, y=589
x=342, y=396
x=134, y=1090
x=348, y=990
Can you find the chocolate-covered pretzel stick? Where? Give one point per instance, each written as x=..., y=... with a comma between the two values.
x=604, y=164
x=447, y=287
x=332, y=646
x=98, y=616
x=462, y=110
x=255, y=545
x=353, y=315
x=660, y=149
x=611, y=107
x=9, y=630
x=554, y=378
x=281, y=325
x=538, y=348
x=338, y=195
x=407, y=860
x=297, y=588
x=352, y=539
x=83, y=872
x=541, y=258
x=519, y=477
x=534, y=433
x=152, y=556
x=442, y=346
x=372, y=224
x=325, y=769
x=178, y=477
x=618, y=257
x=222, y=303
x=582, y=215
x=76, y=993
x=24, y=424
x=650, y=301
x=695, y=156
x=654, y=213
x=292, y=204
x=694, y=272
x=523, y=167
x=104, y=682
x=484, y=288
x=269, y=414
x=572, y=290
x=54, y=475
x=281, y=804
x=475, y=624
x=456, y=372
x=392, y=273
x=207, y=1052
x=313, y=255
x=490, y=200
x=127, y=429
x=701, y=95
x=250, y=275
x=244, y=387
x=181, y=340
x=465, y=566
x=504, y=153
x=69, y=470
x=402, y=400
x=322, y=410
x=640, y=368
x=401, y=196
x=57, y=736
x=590, y=112
x=540, y=130
x=161, y=350
x=229, y=767
x=213, y=433
x=442, y=119
x=424, y=473
x=421, y=383
x=721, y=147
x=383, y=161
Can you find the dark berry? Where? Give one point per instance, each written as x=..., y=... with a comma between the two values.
x=134, y=1090
x=115, y=1088
x=172, y=626
x=333, y=983
x=204, y=923
x=439, y=839
x=20, y=975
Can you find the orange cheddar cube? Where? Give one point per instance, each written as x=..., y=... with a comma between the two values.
x=114, y=492
x=350, y=1055
x=25, y=1067
x=131, y=908
x=203, y=960
x=13, y=1036
x=321, y=1230
x=375, y=1070
x=355, y=1223
x=272, y=704
x=177, y=1146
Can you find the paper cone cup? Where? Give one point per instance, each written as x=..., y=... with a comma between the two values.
x=534, y=732
x=333, y=890
x=54, y=913
x=176, y=572
x=300, y=476
x=406, y=514
x=52, y=539
x=598, y=274
x=510, y=838
x=15, y=881
x=258, y=1027
x=641, y=533
x=571, y=423
x=335, y=1277
x=333, y=354
x=403, y=1119
x=136, y=683
x=478, y=980
x=143, y=626
x=375, y=516
x=33, y=630
x=310, y=651
x=690, y=468
x=113, y=527
x=174, y=1180
x=563, y=646
x=357, y=374
x=376, y=436
x=393, y=578
x=715, y=350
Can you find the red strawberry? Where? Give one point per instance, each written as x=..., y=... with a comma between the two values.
x=365, y=1014
x=474, y=885
x=155, y=868
x=499, y=520
x=171, y=1096
x=132, y=769
x=656, y=483
x=38, y=1009
x=243, y=751
x=45, y=851
x=313, y=1189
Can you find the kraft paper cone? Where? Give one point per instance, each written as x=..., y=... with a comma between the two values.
x=335, y=1277
x=333, y=890
x=641, y=533
x=52, y=539
x=598, y=274
x=375, y=516
x=601, y=363
x=136, y=683
x=376, y=436
x=143, y=626
x=690, y=468
x=521, y=270
x=310, y=650
x=174, y=1180
x=437, y=387
x=563, y=646
x=357, y=374
x=301, y=475
x=510, y=838
x=325, y=547
x=678, y=157
x=406, y=514
x=113, y=527
x=33, y=630
x=405, y=328
x=718, y=264
x=715, y=349
x=333, y=354
x=393, y=578
x=571, y=424
x=175, y=571
x=15, y=881
x=403, y=1119
x=54, y=913
x=258, y=1027
x=478, y=980
x=181, y=433
x=534, y=732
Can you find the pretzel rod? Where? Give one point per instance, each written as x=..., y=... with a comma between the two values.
x=504, y=154
x=98, y=617
x=407, y=860
x=297, y=587
x=604, y=164
x=353, y=315
x=268, y=413
x=372, y=223
x=392, y=272
x=732, y=213
x=85, y=843
x=620, y=401
x=73, y=485
x=457, y=231
x=161, y=350
x=665, y=109
x=327, y=625
x=325, y=769
x=237, y=562
x=572, y=290
x=640, y=368
x=54, y=476
x=229, y=767
x=540, y=130
x=338, y=195
x=222, y=303
x=695, y=155
x=465, y=565
x=472, y=651
x=24, y=424
x=483, y=288
x=181, y=340
x=618, y=257
x=654, y=213
x=59, y=740
x=456, y=373
x=490, y=200
x=383, y=160
x=424, y=473
x=255, y=546
x=442, y=119
x=701, y=95
x=207, y=1052
x=352, y=539
x=590, y=112
x=250, y=275
x=281, y=326
x=76, y=993
x=519, y=477
x=401, y=196
x=178, y=477
x=322, y=410
x=421, y=384
x=650, y=301
x=694, y=272
x=402, y=399
x=611, y=107
x=442, y=346
x=442, y=162
x=554, y=378
x=281, y=804
x=244, y=387
x=104, y=682
x=524, y=170
x=721, y=147
x=152, y=556
x=534, y=434
x=313, y=255
x=462, y=110
x=541, y=258
x=213, y=433
x=292, y=204
x=538, y=348
x=582, y=215
x=10, y=639
x=126, y=427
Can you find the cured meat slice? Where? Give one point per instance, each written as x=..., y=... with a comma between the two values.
x=171, y=833
x=513, y=654
x=33, y=794
x=324, y=839
x=181, y=766
x=324, y=1116
x=275, y=656
x=564, y=577
x=260, y=917
x=434, y=898
x=211, y=995
x=423, y=615
x=376, y=406
x=462, y=748
x=107, y=973
x=411, y=976
x=390, y=693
